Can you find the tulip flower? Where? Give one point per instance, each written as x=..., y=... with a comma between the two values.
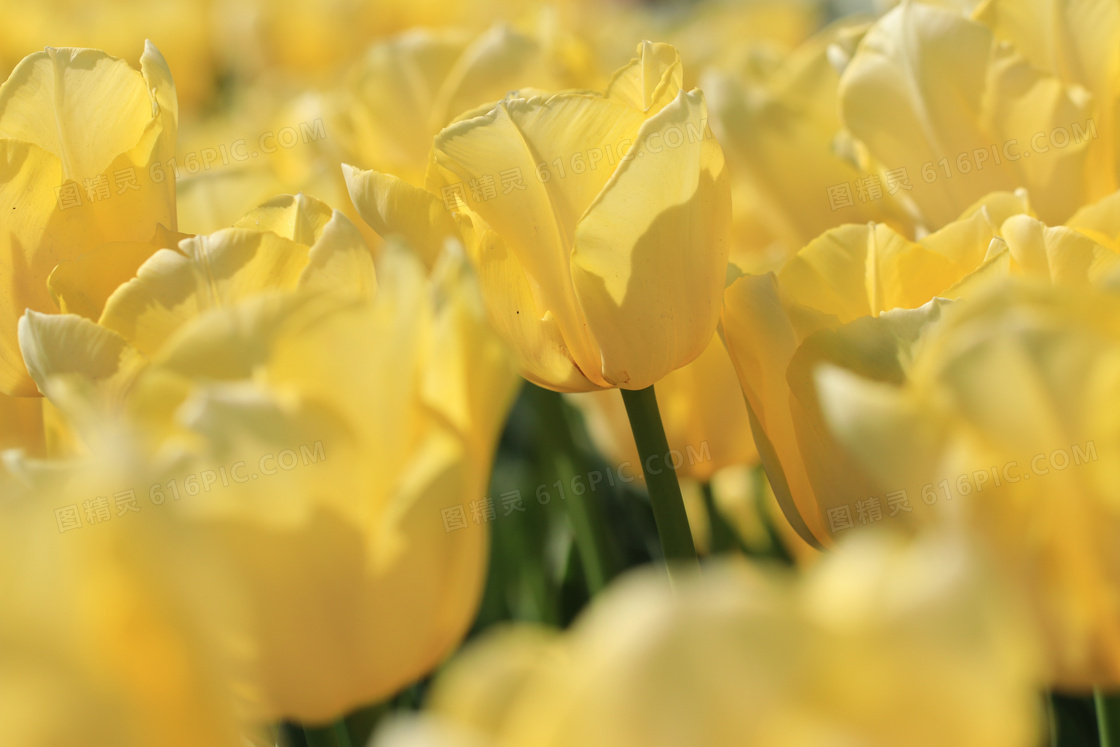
x=881, y=643
x=598, y=223
x=290, y=242
x=777, y=328
x=1001, y=423
x=78, y=132
x=961, y=108
x=794, y=174
x=98, y=646
x=353, y=580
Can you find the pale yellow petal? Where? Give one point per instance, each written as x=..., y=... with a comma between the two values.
x=650, y=81
x=934, y=92
x=393, y=207
x=651, y=252
x=206, y=272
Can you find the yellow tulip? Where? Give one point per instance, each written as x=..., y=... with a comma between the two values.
x=459, y=71
x=98, y=647
x=288, y=243
x=881, y=643
x=336, y=438
x=963, y=110
x=598, y=223
x=778, y=123
x=703, y=412
x=181, y=28
x=779, y=327
x=78, y=131
x=1007, y=427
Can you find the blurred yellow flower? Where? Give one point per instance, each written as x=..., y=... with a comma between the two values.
x=249, y=353
x=598, y=223
x=778, y=328
x=960, y=106
x=98, y=646
x=1002, y=421
x=881, y=643
x=290, y=242
x=778, y=121
x=78, y=130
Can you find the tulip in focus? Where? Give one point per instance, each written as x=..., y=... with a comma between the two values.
x=78, y=132
x=598, y=223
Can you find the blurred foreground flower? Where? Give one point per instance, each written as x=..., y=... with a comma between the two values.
x=76, y=127
x=1002, y=419
x=256, y=351
x=99, y=644
x=882, y=643
x=598, y=223
x=779, y=327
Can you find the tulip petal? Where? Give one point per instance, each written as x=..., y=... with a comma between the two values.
x=59, y=346
x=1060, y=254
x=465, y=380
x=393, y=207
x=650, y=81
x=534, y=333
x=650, y=253
x=52, y=97
x=82, y=285
x=761, y=339
x=932, y=91
x=206, y=272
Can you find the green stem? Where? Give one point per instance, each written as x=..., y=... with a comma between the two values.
x=584, y=512
x=661, y=479
x=1108, y=717
x=333, y=735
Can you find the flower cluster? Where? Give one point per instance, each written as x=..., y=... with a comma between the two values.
x=415, y=374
